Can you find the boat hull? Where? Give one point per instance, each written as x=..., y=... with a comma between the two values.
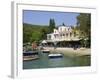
x=30, y=55
x=55, y=55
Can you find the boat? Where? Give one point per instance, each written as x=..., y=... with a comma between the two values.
x=57, y=55
x=45, y=51
x=27, y=53
x=30, y=55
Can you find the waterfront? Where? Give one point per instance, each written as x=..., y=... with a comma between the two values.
x=65, y=61
x=71, y=42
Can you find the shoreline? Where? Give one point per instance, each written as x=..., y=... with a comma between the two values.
x=70, y=51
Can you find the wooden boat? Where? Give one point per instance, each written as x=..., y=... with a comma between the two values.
x=30, y=55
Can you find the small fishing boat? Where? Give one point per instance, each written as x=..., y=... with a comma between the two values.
x=30, y=55
x=27, y=53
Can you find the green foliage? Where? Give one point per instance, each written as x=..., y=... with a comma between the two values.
x=84, y=26
x=63, y=24
x=51, y=25
x=34, y=32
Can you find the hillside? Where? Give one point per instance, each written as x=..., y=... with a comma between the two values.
x=34, y=32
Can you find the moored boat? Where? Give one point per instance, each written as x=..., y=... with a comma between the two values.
x=57, y=55
x=45, y=51
x=33, y=57
x=30, y=55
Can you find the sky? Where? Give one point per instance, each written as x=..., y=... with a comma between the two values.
x=43, y=17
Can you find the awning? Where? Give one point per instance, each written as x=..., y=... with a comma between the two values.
x=44, y=41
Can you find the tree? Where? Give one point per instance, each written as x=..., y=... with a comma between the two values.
x=84, y=26
x=33, y=33
x=27, y=33
x=43, y=34
x=51, y=25
x=63, y=24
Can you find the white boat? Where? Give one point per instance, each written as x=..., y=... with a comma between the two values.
x=45, y=51
x=57, y=55
x=32, y=57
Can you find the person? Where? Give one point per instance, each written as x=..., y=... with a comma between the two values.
x=34, y=45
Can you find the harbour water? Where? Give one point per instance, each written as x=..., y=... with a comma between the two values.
x=65, y=61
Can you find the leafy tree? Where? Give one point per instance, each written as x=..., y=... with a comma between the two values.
x=84, y=25
x=35, y=37
x=27, y=33
x=43, y=34
x=33, y=33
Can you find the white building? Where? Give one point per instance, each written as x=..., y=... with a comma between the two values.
x=62, y=33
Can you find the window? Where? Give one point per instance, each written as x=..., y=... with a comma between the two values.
x=54, y=35
x=66, y=34
x=70, y=34
x=65, y=29
x=68, y=29
x=74, y=34
x=60, y=35
x=60, y=29
x=49, y=37
x=63, y=34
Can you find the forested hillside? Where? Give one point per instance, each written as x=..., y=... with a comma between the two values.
x=34, y=32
